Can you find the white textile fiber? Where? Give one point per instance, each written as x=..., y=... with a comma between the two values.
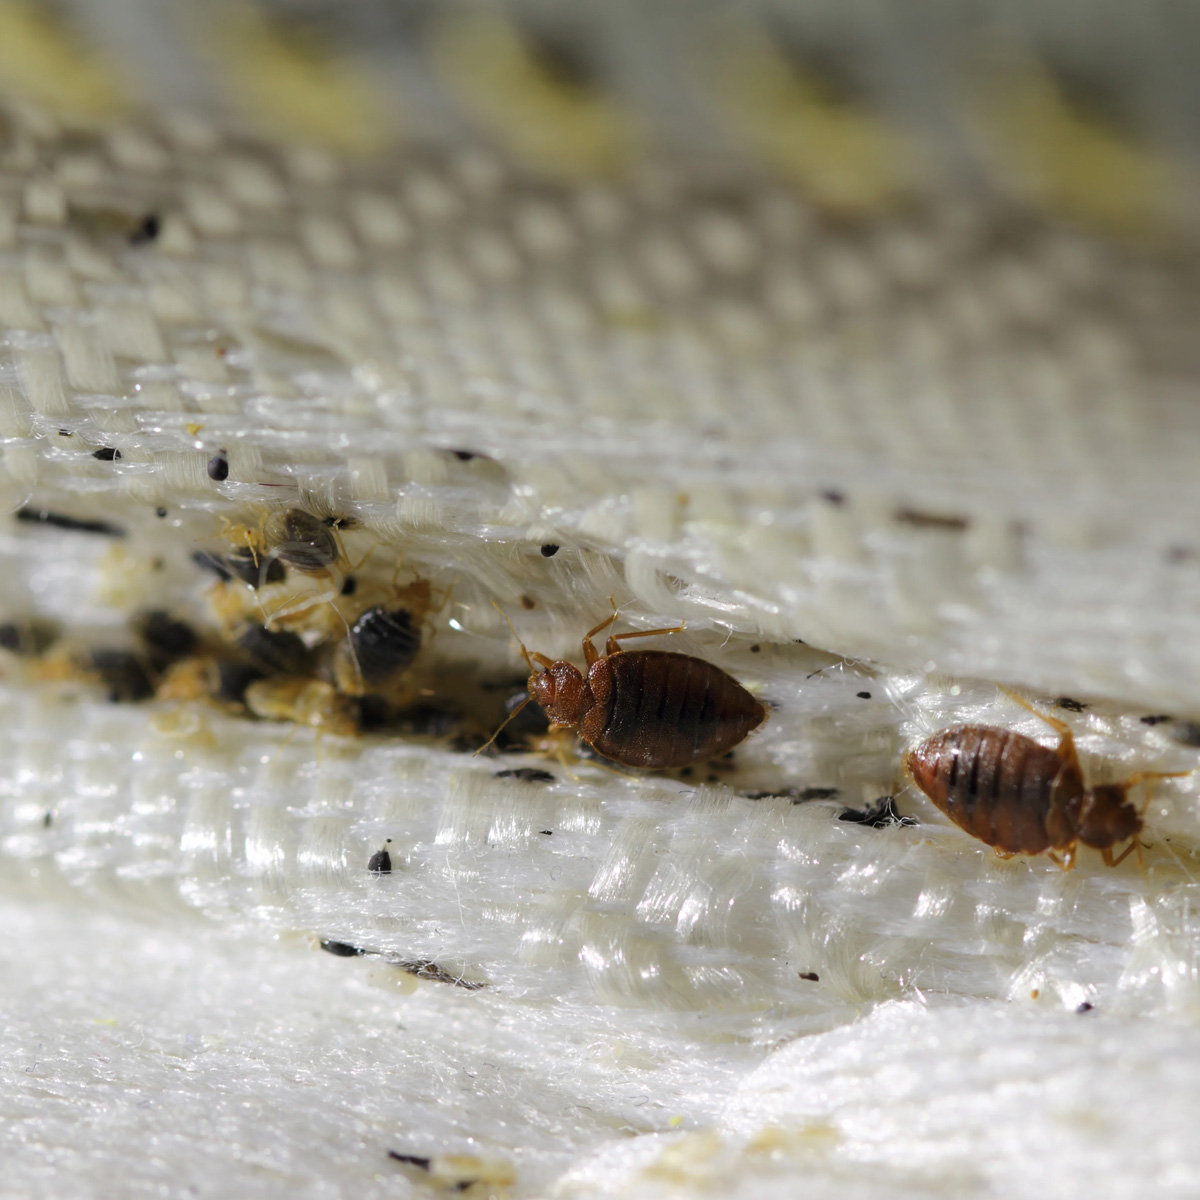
x=892, y=444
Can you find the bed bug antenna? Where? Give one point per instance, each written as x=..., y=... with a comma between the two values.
x=500, y=728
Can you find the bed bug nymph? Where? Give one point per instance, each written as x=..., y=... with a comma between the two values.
x=302, y=543
x=1021, y=797
x=644, y=708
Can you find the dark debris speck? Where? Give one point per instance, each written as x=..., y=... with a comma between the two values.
x=147, y=230
x=1084, y=1007
x=549, y=550
x=525, y=774
x=1155, y=719
x=863, y=695
x=1069, y=704
x=106, y=453
x=811, y=976
x=879, y=815
x=44, y=516
x=411, y=1160
x=340, y=949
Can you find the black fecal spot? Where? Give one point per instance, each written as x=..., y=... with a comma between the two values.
x=218, y=467
x=1069, y=704
x=233, y=678
x=160, y=511
x=755, y=648
x=526, y=775
x=833, y=497
x=411, y=1160
x=546, y=832
x=811, y=976
x=44, y=516
x=166, y=638
x=795, y=795
x=879, y=815
x=106, y=453
x=1155, y=719
x=340, y=949
x=249, y=569
x=924, y=520
x=349, y=585
x=863, y=695
x=380, y=863
x=549, y=550
x=275, y=650
x=64, y=433
x=1084, y=1007
x=147, y=230
x=464, y=455
x=686, y=772
x=47, y=820
x=123, y=674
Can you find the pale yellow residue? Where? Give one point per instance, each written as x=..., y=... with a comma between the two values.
x=848, y=159
x=42, y=62
x=296, y=88
x=124, y=579
x=775, y=1142
x=1044, y=147
x=687, y=1161
x=548, y=124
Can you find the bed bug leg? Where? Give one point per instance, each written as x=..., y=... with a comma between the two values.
x=1067, y=862
x=612, y=646
x=1066, y=743
x=1111, y=861
x=590, y=653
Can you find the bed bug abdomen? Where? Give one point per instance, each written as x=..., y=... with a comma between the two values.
x=657, y=709
x=384, y=643
x=1004, y=788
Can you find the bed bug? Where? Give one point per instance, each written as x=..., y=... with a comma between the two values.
x=1022, y=797
x=644, y=708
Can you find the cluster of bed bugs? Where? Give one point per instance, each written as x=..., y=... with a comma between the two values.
x=302, y=640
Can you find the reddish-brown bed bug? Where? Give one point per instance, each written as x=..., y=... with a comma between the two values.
x=1022, y=797
x=644, y=708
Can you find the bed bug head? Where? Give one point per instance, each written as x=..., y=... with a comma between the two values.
x=559, y=690
x=1106, y=817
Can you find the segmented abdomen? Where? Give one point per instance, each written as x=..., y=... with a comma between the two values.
x=1001, y=786
x=657, y=709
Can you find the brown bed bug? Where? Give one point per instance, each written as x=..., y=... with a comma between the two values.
x=644, y=708
x=1022, y=797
